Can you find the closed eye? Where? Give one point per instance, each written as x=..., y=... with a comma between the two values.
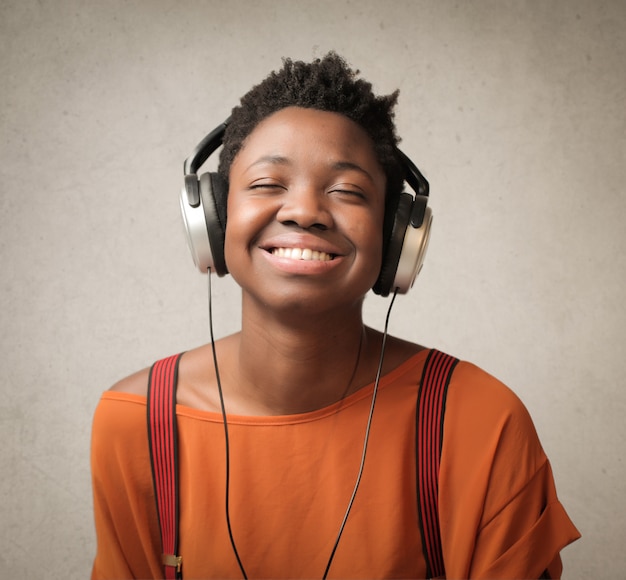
x=268, y=186
x=353, y=193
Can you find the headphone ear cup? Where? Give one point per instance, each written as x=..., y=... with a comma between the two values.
x=203, y=228
x=212, y=189
x=413, y=253
x=401, y=217
x=406, y=247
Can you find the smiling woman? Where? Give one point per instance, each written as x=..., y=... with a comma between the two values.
x=309, y=424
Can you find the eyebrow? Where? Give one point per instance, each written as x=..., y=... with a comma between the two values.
x=271, y=159
x=342, y=165
x=337, y=165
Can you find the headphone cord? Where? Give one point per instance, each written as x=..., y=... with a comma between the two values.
x=365, y=441
x=226, y=444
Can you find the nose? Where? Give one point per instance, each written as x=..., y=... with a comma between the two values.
x=306, y=207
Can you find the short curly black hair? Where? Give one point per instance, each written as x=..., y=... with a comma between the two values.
x=326, y=84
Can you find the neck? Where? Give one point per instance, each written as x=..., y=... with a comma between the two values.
x=287, y=367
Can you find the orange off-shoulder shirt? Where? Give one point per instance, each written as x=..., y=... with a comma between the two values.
x=292, y=477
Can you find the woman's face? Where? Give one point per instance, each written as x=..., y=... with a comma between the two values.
x=305, y=211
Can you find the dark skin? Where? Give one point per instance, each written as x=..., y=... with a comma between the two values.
x=308, y=180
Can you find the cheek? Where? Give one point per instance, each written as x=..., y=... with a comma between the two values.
x=234, y=240
x=369, y=233
x=245, y=220
x=228, y=245
x=235, y=230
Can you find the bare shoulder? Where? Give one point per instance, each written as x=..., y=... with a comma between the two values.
x=195, y=375
x=403, y=348
x=136, y=384
x=397, y=350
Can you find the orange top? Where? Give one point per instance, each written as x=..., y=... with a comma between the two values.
x=292, y=477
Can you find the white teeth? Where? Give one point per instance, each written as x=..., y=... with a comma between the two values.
x=302, y=254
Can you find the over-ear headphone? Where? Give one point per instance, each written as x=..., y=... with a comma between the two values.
x=407, y=220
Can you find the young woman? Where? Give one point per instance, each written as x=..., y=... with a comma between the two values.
x=311, y=181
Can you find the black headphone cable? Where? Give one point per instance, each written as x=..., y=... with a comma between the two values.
x=226, y=442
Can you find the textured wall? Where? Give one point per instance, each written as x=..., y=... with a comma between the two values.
x=516, y=113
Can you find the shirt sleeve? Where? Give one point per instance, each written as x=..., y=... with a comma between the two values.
x=499, y=512
x=128, y=544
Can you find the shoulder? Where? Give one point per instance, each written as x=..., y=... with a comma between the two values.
x=397, y=351
x=475, y=390
x=489, y=435
x=486, y=421
x=136, y=384
x=195, y=376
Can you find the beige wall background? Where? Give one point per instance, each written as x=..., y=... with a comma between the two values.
x=514, y=110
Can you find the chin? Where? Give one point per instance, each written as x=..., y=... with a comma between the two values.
x=303, y=302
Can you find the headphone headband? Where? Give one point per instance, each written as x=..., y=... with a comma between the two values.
x=413, y=176
x=205, y=148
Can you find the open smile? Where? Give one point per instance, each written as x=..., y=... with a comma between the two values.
x=306, y=254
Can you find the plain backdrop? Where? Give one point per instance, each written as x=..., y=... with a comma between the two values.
x=514, y=110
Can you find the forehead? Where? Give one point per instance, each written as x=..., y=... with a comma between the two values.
x=296, y=133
